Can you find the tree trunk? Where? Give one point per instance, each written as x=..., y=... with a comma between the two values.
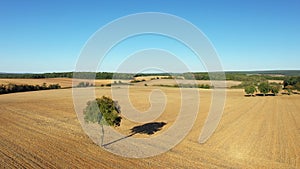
x=102, y=135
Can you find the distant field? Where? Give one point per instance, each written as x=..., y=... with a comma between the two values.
x=64, y=82
x=67, y=82
x=180, y=81
x=40, y=130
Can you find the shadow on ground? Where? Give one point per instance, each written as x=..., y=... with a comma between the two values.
x=148, y=128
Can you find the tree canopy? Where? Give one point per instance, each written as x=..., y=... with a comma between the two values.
x=103, y=110
x=250, y=89
x=264, y=87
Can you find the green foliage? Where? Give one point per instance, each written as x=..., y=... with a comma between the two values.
x=136, y=81
x=180, y=85
x=204, y=86
x=84, y=84
x=250, y=89
x=196, y=76
x=297, y=86
x=245, y=84
x=275, y=89
x=103, y=111
x=91, y=112
x=289, y=89
x=54, y=86
x=291, y=81
x=168, y=77
x=264, y=87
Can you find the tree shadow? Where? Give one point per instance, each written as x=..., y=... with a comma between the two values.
x=148, y=128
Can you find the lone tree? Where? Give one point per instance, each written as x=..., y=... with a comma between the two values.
x=264, y=88
x=103, y=111
x=250, y=90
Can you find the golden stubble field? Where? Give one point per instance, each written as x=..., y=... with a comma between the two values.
x=67, y=82
x=63, y=82
x=40, y=130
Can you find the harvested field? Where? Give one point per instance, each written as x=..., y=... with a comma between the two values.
x=40, y=130
x=63, y=82
x=180, y=81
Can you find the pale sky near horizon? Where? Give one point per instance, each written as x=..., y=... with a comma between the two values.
x=48, y=36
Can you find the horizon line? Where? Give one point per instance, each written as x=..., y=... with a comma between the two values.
x=255, y=70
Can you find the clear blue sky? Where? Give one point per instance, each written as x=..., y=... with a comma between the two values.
x=47, y=36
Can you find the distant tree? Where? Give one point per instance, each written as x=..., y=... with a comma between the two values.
x=275, y=89
x=44, y=86
x=297, y=86
x=291, y=81
x=264, y=88
x=289, y=89
x=37, y=87
x=250, y=89
x=83, y=84
x=103, y=111
x=3, y=89
x=54, y=86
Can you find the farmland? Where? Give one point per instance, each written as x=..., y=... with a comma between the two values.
x=40, y=129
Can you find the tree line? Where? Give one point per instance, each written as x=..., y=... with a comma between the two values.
x=78, y=75
x=236, y=76
x=290, y=85
x=13, y=88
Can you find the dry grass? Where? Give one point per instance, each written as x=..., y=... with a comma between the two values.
x=40, y=130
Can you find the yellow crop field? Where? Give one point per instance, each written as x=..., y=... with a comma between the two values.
x=40, y=129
